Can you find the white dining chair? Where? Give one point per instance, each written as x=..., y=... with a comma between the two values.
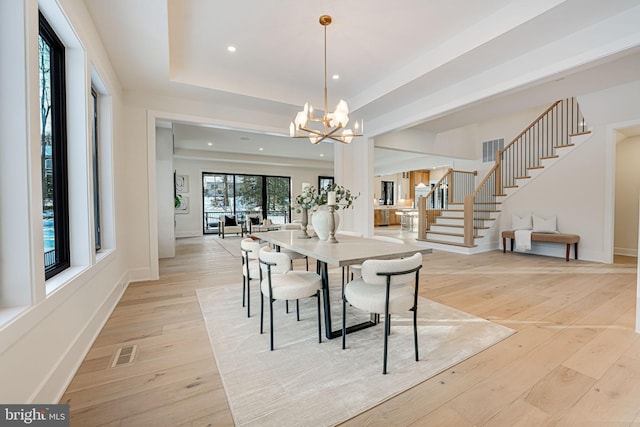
x=355, y=268
x=385, y=288
x=250, y=250
x=279, y=282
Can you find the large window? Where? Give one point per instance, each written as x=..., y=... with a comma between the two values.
x=55, y=205
x=241, y=195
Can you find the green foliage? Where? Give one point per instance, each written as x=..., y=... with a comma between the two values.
x=312, y=198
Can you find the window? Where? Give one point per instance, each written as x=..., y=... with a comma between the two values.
x=55, y=205
x=96, y=174
x=242, y=195
x=386, y=193
x=324, y=182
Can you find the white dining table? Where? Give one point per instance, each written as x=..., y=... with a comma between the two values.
x=349, y=250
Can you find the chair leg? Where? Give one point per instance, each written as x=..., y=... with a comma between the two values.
x=307, y=262
x=386, y=338
x=261, y=311
x=271, y=323
x=344, y=322
x=319, y=319
x=415, y=330
x=248, y=297
x=297, y=310
x=286, y=306
x=244, y=284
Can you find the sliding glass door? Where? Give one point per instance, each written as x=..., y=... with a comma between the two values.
x=242, y=195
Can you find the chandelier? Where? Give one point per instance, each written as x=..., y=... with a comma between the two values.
x=332, y=125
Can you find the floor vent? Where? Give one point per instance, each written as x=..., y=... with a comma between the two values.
x=124, y=356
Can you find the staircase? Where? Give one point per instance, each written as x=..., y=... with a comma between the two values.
x=456, y=215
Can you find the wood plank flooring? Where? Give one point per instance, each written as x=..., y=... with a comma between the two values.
x=574, y=361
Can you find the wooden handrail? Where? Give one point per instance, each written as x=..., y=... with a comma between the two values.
x=531, y=125
x=449, y=172
x=485, y=179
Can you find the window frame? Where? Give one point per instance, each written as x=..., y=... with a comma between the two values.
x=58, y=149
x=96, y=171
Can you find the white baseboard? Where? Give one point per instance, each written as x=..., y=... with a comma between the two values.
x=54, y=385
x=626, y=252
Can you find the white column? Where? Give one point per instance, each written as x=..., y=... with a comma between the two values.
x=353, y=168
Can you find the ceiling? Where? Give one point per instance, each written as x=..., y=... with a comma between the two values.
x=433, y=65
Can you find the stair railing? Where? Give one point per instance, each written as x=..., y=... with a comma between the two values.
x=451, y=188
x=550, y=130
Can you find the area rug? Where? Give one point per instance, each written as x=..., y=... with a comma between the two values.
x=304, y=383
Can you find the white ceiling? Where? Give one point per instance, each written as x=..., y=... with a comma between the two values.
x=436, y=64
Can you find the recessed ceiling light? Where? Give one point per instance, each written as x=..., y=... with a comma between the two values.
x=209, y=143
x=335, y=77
x=321, y=155
x=231, y=48
x=260, y=148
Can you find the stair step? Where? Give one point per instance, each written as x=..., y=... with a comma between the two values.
x=586, y=132
x=510, y=186
x=536, y=167
x=443, y=233
x=441, y=242
x=549, y=157
x=455, y=226
x=522, y=177
x=563, y=146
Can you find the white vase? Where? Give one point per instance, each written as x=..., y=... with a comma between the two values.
x=320, y=220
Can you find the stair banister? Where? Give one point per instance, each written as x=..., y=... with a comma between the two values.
x=422, y=207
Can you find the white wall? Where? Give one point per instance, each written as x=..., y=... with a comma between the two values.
x=579, y=188
x=571, y=189
x=41, y=348
x=626, y=198
x=165, y=189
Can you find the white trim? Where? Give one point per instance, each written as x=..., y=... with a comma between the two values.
x=55, y=383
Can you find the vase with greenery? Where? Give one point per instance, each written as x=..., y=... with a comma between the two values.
x=326, y=219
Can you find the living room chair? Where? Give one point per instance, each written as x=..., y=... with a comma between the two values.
x=250, y=250
x=229, y=225
x=385, y=288
x=253, y=220
x=279, y=282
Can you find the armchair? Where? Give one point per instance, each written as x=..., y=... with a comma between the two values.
x=253, y=220
x=229, y=225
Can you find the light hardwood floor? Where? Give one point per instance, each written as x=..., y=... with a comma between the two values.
x=575, y=359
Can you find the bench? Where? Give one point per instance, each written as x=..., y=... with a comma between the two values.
x=567, y=239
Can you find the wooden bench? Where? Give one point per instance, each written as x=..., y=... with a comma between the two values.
x=567, y=239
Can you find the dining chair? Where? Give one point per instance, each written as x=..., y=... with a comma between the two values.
x=279, y=282
x=355, y=268
x=385, y=288
x=250, y=250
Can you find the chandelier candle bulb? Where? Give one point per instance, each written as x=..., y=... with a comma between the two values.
x=331, y=198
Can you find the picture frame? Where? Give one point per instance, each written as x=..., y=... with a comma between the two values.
x=182, y=183
x=183, y=208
